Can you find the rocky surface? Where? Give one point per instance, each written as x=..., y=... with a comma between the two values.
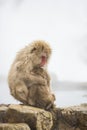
x=15, y=126
x=73, y=118
x=21, y=117
x=37, y=119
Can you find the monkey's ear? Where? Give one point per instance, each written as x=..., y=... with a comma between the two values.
x=33, y=49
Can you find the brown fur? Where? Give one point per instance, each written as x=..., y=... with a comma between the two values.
x=28, y=82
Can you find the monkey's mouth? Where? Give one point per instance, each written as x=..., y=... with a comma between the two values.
x=43, y=60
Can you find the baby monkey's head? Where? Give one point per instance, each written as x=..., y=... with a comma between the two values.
x=40, y=53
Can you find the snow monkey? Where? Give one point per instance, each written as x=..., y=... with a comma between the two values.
x=28, y=79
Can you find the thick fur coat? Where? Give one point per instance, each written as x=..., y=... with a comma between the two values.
x=28, y=81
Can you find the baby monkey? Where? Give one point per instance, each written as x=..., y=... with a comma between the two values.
x=28, y=79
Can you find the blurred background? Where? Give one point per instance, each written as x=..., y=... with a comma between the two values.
x=63, y=23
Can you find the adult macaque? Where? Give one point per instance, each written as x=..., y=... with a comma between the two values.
x=28, y=79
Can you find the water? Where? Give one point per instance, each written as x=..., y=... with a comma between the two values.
x=63, y=98
x=70, y=98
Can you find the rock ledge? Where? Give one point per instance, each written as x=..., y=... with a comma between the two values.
x=21, y=117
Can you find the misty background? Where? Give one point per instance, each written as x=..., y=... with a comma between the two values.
x=63, y=23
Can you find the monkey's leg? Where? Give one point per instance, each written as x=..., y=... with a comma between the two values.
x=21, y=92
x=45, y=98
x=32, y=95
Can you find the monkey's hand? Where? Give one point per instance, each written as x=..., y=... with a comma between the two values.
x=51, y=104
x=53, y=96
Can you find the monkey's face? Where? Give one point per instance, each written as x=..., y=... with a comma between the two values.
x=40, y=52
x=43, y=60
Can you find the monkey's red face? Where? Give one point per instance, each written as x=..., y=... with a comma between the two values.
x=43, y=61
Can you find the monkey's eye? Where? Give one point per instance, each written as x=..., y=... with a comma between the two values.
x=34, y=49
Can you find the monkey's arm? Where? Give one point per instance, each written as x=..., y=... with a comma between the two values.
x=34, y=80
x=30, y=78
x=47, y=94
